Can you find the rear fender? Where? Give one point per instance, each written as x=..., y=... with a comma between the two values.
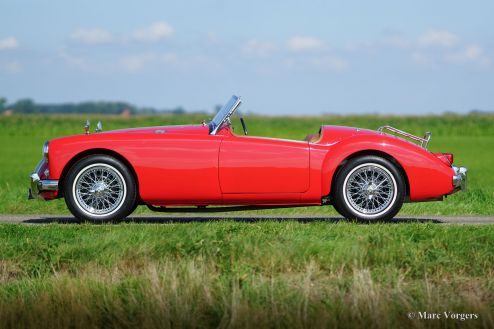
x=427, y=176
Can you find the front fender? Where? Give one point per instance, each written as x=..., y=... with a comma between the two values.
x=428, y=177
x=64, y=150
x=171, y=168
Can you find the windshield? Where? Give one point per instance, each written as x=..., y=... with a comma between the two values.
x=223, y=114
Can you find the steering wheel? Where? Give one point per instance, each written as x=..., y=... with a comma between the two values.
x=244, y=127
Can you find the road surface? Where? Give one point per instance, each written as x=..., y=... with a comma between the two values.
x=45, y=219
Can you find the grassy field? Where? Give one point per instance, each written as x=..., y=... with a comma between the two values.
x=470, y=138
x=244, y=275
x=225, y=274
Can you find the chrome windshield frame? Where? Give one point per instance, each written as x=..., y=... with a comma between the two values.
x=214, y=128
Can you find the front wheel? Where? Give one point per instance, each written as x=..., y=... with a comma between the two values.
x=369, y=188
x=100, y=188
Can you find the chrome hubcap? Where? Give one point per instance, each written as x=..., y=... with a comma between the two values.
x=99, y=189
x=370, y=189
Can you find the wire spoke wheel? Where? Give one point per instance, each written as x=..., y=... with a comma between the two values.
x=370, y=189
x=99, y=189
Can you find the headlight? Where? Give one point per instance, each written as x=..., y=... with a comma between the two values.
x=45, y=150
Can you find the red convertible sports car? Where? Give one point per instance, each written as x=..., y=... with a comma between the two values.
x=364, y=174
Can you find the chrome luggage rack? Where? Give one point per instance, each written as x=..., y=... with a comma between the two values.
x=423, y=141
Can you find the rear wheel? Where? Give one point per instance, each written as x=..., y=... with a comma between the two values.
x=369, y=188
x=100, y=188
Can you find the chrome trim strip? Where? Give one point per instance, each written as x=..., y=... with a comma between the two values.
x=39, y=166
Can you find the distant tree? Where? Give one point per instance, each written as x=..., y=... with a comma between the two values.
x=3, y=103
x=25, y=106
x=479, y=112
x=178, y=110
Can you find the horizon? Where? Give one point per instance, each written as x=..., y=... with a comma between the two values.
x=151, y=111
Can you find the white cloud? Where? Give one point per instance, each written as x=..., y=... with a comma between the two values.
x=8, y=43
x=470, y=54
x=300, y=43
x=135, y=63
x=138, y=62
x=438, y=38
x=421, y=59
x=212, y=38
x=396, y=41
x=168, y=58
x=152, y=33
x=258, y=48
x=332, y=63
x=372, y=47
x=11, y=67
x=72, y=60
x=328, y=62
x=92, y=36
x=155, y=32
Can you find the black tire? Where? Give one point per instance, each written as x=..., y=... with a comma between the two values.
x=136, y=204
x=100, y=189
x=337, y=208
x=369, y=188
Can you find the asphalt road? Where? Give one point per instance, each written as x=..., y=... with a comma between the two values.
x=45, y=219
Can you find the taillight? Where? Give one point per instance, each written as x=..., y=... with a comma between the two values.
x=447, y=158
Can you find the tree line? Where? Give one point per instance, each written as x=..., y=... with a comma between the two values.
x=28, y=106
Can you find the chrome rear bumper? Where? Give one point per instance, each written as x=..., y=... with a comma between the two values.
x=460, y=178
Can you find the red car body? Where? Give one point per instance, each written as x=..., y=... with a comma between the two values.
x=187, y=165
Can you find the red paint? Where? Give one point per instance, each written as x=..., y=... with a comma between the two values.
x=263, y=165
x=185, y=165
x=447, y=158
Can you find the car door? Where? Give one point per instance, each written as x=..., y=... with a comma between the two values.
x=263, y=165
x=177, y=169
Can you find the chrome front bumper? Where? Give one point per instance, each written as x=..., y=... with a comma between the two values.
x=45, y=189
x=460, y=178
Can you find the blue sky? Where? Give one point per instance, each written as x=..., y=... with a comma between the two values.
x=282, y=57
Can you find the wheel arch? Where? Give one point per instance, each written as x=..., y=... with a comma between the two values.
x=97, y=151
x=378, y=153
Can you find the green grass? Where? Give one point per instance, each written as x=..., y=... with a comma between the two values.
x=470, y=138
x=239, y=275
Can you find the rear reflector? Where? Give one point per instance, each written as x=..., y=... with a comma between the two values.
x=447, y=158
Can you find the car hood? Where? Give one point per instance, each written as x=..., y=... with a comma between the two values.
x=132, y=133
